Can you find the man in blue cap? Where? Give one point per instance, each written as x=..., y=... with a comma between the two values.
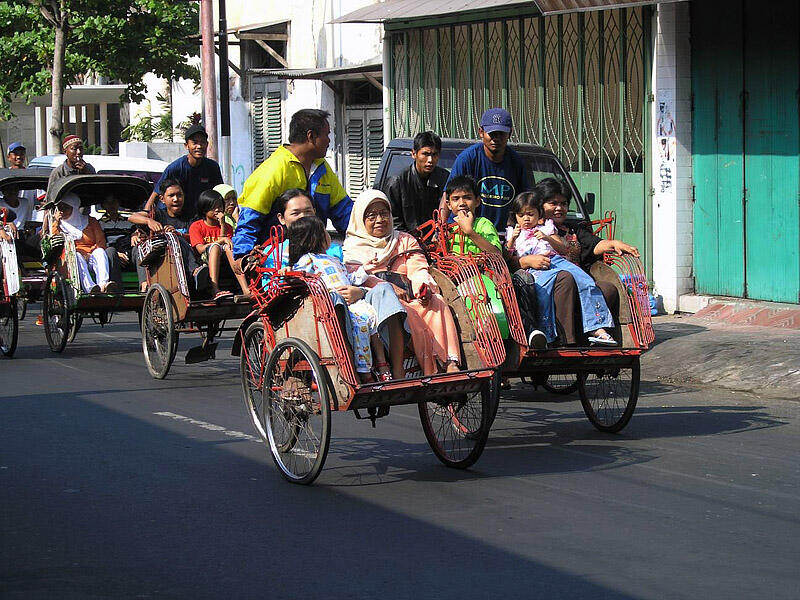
x=16, y=156
x=498, y=169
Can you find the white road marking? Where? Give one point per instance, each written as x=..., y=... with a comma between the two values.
x=210, y=426
x=58, y=362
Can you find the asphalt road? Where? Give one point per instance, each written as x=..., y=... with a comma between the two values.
x=114, y=485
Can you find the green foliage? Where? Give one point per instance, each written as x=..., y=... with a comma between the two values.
x=122, y=40
x=149, y=126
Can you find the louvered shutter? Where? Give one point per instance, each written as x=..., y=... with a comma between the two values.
x=374, y=148
x=267, y=122
x=356, y=171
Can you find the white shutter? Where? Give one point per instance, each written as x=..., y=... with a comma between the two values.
x=356, y=171
x=267, y=120
x=374, y=148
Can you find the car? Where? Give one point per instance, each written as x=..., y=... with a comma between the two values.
x=540, y=161
x=145, y=168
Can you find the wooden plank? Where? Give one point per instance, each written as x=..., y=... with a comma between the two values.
x=772, y=146
x=272, y=52
x=717, y=148
x=267, y=37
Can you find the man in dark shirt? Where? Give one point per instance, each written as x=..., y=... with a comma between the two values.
x=414, y=194
x=195, y=171
x=73, y=165
x=498, y=169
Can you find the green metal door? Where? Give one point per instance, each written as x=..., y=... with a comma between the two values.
x=746, y=149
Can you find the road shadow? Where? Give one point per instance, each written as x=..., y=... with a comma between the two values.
x=670, y=330
x=99, y=504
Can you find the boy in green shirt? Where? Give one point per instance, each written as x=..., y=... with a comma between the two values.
x=475, y=234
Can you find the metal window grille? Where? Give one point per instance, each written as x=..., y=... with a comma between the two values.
x=574, y=83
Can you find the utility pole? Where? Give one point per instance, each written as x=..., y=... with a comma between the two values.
x=208, y=75
x=224, y=99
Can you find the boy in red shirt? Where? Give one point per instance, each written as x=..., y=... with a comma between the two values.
x=211, y=237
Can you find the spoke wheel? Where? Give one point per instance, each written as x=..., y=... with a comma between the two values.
x=561, y=383
x=609, y=396
x=296, y=413
x=75, y=322
x=159, y=338
x=9, y=327
x=457, y=427
x=252, y=359
x=22, y=307
x=55, y=312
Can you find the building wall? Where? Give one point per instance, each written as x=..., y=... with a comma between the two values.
x=672, y=172
x=22, y=128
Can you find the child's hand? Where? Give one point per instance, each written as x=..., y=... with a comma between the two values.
x=351, y=293
x=465, y=220
x=539, y=235
x=155, y=226
x=515, y=233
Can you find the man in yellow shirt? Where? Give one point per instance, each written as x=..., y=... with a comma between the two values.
x=298, y=164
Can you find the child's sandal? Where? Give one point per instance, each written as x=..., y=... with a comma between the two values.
x=383, y=372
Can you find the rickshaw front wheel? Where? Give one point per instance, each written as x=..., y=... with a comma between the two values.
x=55, y=312
x=457, y=426
x=609, y=396
x=252, y=358
x=159, y=337
x=297, y=413
x=9, y=327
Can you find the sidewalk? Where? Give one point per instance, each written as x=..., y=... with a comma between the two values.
x=743, y=346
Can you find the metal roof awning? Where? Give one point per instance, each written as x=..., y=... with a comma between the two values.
x=391, y=10
x=362, y=71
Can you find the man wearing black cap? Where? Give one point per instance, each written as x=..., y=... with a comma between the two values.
x=16, y=156
x=195, y=171
x=498, y=169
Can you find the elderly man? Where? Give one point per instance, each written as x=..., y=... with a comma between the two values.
x=74, y=164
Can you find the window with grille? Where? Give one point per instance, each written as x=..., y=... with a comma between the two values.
x=574, y=83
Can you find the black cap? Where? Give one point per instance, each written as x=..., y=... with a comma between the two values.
x=193, y=130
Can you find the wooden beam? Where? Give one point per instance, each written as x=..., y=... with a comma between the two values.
x=269, y=37
x=373, y=81
x=272, y=53
x=236, y=69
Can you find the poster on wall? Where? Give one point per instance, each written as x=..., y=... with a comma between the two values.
x=665, y=141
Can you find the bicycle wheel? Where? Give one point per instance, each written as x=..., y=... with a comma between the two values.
x=9, y=327
x=561, y=383
x=22, y=307
x=297, y=405
x=75, y=322
x=158, y=331
x=609, y=396
x=252, y=359
x=55, y=312
x=457, y=427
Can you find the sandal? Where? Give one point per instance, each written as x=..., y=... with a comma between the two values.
x=382, y=371
x=222, y=294
x=602, y=340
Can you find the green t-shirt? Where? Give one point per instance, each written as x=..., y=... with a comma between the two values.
x=484, y=228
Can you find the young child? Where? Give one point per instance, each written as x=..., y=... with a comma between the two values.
x=211, y=237
x=532, y=234
x=90, y=244
x=308, y=241
x=172, y=219
x=475, y=234
x=228, y=194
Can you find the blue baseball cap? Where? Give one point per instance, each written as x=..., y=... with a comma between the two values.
x=15, y=146
x=496, y=119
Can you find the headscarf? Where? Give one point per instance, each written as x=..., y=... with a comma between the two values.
x=360, y=246
x=223, y=189
x=73, y=226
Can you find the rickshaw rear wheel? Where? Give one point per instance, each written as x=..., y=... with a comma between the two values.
x=457, y=427
x=55, y=312
x=561, y=383
x=609, y=396
x=159, y=338
x=252, y=358
x=22, y=307
x=9, y=327
x=297, y=412
x=75, y=322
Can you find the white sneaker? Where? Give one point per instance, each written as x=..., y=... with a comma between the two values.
x=536, y=339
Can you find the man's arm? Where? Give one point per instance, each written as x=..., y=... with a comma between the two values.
x=393, y=192
x=251, y=229
x=339, y=213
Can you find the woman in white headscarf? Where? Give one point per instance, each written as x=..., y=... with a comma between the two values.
x=373, y=242
x=90, y=244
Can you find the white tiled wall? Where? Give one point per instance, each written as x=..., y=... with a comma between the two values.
x=672, y=212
